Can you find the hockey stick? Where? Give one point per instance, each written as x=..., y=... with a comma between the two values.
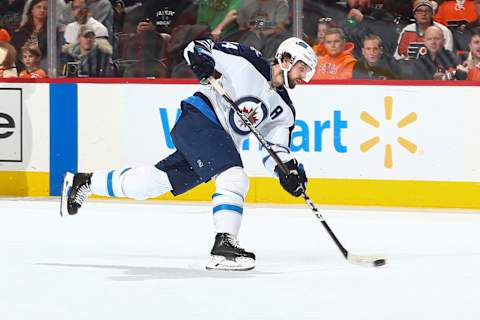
x=371, y=260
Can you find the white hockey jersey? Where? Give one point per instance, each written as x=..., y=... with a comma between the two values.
x=246, y=76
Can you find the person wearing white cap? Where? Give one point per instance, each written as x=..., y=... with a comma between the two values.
x=412, y=36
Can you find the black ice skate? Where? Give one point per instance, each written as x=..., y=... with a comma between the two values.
x=228, y=255
x=75, y=190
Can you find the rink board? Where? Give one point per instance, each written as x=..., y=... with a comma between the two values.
x=389, y=145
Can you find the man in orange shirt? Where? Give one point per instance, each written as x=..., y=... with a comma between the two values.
x=338, y=61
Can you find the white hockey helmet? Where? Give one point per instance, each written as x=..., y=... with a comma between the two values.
x=298, y=50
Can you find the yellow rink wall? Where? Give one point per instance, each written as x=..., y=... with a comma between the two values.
x=419, y=194
x=400, y=144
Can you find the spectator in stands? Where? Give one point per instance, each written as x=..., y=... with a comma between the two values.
x=338, y=61
x=60, y=9
x=124, y=12
x=103, y=13
x=82, y=16
x=100, y=10
x=11, y=14
x=434, y=61
x=412, y=37
x=362, y=19
x=164, y=15
x=8, y=55
x=31, y=57
x=158, y=20
x=59, y=4
x=27, y=5
x=4, y=35
x=463, y=33
x=127, y=15
x=87, y=58
x=220, y=16
x=33, y=30
x=401, y=10
x=157, y=24
x=149, y=63
x=374, y=65
x=476, y=23
x=263, y=24
x=456, y=13
x=323, y=25
x=472, y=64
x=313, y=10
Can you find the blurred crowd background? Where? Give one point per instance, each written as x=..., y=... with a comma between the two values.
x=354, y=39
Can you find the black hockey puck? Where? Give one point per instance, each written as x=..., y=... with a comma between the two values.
x=379, y=262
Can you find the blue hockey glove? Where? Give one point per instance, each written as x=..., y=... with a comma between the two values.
x=199, y=56
x=296, y=180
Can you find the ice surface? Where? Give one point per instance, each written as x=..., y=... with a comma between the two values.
x=121, y=260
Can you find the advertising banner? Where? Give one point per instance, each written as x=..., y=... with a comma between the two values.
x=394, y=145
x=355, y=132
x=11, y=125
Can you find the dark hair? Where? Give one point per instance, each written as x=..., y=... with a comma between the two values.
x=285, y=55
x=29, y=23
x=476, y=32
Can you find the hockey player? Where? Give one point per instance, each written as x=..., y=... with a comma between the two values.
x=208, y=135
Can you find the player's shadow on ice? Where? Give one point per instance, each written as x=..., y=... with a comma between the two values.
x=136, y=273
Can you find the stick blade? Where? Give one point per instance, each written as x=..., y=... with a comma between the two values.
x=376, y=260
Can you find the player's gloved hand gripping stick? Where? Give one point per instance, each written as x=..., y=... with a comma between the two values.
x=297, y=182
x=199, y=56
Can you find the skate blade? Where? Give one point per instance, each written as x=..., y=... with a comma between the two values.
x=221, y=263
x=66, y=187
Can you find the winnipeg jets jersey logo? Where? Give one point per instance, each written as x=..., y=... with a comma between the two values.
x=255, y=111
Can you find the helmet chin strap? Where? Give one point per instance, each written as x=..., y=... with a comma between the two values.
x=285, y=79
x=285, y=75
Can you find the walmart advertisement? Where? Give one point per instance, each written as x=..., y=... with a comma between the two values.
x=395, y=145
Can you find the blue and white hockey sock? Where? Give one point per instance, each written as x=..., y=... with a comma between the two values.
x=136, y=183
x=227, y=212
x=231, y=189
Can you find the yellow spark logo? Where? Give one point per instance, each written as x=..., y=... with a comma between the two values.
x=405, y=121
